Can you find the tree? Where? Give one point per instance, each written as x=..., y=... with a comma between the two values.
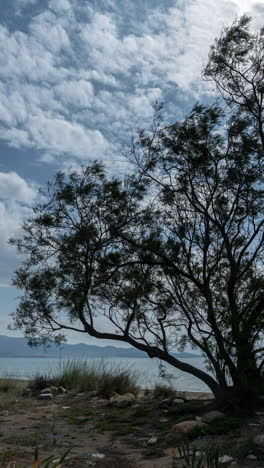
x=174, y=253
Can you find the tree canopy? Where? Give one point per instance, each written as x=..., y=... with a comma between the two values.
x=173, y=254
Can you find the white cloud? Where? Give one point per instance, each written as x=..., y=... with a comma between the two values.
x=78, y=93
x=59, y=5
x=76, y=80
x=49, y=33
x=15, y=188
x=16, y=198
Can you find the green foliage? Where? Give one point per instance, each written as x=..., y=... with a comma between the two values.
x=163, y=391
x=141, y=411
x=49, y=461
x=218, y=427
x=114, y=416
x=184, y=409
x=190, y=457
x=172, y=254
x=104, y=377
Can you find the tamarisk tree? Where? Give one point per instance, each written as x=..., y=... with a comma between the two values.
x=173, y=254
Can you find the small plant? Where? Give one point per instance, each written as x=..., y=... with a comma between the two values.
x=140, y=412
x=115, y=416
x=191, y=457
x=49, y=461
x=125, y=431
x=39, y=382
x=218, y=427
x=163, y=391
x=185, y=408
x=9, y=385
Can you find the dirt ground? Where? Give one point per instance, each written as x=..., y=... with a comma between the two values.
x=100, y=436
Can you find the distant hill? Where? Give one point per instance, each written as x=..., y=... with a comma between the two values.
x=18, y=347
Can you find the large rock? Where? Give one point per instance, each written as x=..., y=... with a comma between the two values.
x=122, y=401
x=187, y=426
x=212, y=416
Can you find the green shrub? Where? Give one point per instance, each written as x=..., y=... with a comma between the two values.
x=140, y=412
x=184, y=408
x=218, y=427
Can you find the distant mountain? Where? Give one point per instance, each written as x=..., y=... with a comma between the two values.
x=18, y=347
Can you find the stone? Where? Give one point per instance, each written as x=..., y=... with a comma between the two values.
x=101, y=402
x=122, y=401
x=212, y=416
x=45, y=396
x=152, y=441
x=62, y=389
x=46, y=390
x=251, y=457
x=98, y=455
x=177, y=401
x=225, y=459
x=187, y=426
x=259, y=440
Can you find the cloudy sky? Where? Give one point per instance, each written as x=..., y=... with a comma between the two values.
x=77, y=77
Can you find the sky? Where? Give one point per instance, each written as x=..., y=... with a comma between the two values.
x=78, y=77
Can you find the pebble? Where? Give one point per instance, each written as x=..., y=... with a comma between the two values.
x=152, y=441
x=98, y=455
x=225, y=459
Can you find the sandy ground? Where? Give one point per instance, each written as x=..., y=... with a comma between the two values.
x=98, y=435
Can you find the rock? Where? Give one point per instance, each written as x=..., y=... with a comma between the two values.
x=101, y=401
x=122, y=401
x=62, y=389
x=251, y=457
x=98, y=455
x=45, y=396
x=187, y=426
x=177, y=401
x=225, y=459
x=152, y=441
x=46, y=390
x=163, y=420
x=259, y=440
x=212, y=416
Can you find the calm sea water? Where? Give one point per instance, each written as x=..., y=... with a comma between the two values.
x=148, y=370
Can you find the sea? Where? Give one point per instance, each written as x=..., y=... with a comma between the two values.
x=148, y=370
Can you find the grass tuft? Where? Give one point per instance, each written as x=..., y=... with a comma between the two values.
x=163, y=391
x=104, y=377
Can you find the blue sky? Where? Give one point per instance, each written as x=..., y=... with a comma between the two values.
x=77, y=77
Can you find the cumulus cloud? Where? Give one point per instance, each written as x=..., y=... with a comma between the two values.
x=16, y=198
x=82, y=75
